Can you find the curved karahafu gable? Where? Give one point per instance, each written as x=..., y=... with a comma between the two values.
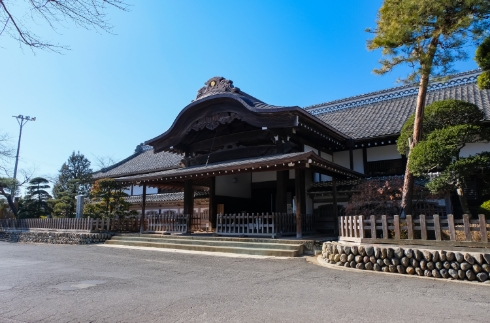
x=220, y=103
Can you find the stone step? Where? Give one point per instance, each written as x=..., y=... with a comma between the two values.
x=176, y=244
x=276, y=245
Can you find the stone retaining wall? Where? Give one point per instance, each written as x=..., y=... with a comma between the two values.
x=431, y=263
x=54, y=237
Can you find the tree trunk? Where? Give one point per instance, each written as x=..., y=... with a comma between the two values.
x=11, y=203
x=462, y=197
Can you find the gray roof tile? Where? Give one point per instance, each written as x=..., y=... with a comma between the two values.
x=163, y=197
x=384, y=113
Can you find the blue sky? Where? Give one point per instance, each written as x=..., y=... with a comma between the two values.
x=112, y=92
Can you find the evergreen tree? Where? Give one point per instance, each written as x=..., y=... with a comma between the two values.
x=35, y=203
x=74, y=179
x=107, y=200
x=428, y=36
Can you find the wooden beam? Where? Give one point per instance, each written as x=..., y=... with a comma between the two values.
x=245, y=136
x=143, y=210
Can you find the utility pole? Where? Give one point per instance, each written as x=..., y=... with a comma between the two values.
x=22, y=121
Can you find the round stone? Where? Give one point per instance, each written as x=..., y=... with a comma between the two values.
x=423, y=264
x=450, y=256
x=444, y=273
x=366, y=259
x=405, y=261
x=361, y=250
x=369, y=251
x=354, y=250
x=430, y=265
x=409, y=253
x=453, y=273
x=435, y=256
x=385, y=269
x=482, y=277
x=347, y=264
x=360, y=266
x=387, y=262
x=392, y=268
x=461, y=274
x=465, y=266
x=336, y=258
x=377, y=267
x=486, y=267
x=400, y=269
x=350, y=257
x=479, y=259
x=410, y=270
x=486, y=256
x=469, y=258
x=372, y=259
x=455, y=265
x=446, y=265
x=477, y=268
x=343, y=257
x=439, y=265
x=418, y=255
x=398, y=253
x=377, y=253
x=428, y=273
x=395, y=261
x=442, y=255
x=427, y=255
x=384, y=253
x=368, y=266
x=380, y=262
x=340, y=249
x=346, y=250
x=389, y=253
x=459, y=257
x=435, y=273
x=340, y=263
x=353, y=264
x=414, y=262
x=470, y=275
x=419, y=271
x=358, y=258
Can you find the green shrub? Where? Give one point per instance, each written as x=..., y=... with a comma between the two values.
x=485, y=208
x=483, y=81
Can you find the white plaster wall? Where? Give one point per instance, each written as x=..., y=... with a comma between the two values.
x=474, y=148
x=138, y=190
x=309, y=148
x=242, y=187
x=382, y=153
x=264, y=177
x=342, y=158
x=358, y=164
x=326, y=156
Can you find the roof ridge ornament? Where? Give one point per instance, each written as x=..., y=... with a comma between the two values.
x=217, y=84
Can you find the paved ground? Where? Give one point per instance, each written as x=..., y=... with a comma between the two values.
x=56, y=283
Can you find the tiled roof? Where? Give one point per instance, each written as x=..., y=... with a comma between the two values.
x=163, y=197
x=144, y=160
x=384, y=113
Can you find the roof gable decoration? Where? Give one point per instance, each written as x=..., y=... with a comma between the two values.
x=217, y=84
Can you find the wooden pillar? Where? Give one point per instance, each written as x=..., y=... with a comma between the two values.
x=335, y=209
x=300, y=193
x=212, y=202
x=188, y=202
x=143, y=210
x=350, y=144
x=281, y=191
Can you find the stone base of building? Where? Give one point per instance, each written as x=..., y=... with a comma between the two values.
x=77, y=238
x=429, y=263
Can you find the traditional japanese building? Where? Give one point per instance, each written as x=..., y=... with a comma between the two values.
x=229, y=152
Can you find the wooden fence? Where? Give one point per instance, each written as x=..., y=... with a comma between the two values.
x=169, y=222
x=70, y=224
x=265, y=224
x=423, y=230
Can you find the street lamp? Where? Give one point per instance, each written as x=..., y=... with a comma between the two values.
x=22, y=120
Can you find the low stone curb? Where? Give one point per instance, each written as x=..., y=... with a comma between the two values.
x=72, y=238
x=454, y=266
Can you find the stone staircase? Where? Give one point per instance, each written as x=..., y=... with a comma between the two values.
x=249, y=246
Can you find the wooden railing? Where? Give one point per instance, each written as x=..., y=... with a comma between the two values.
x=85, y=224
x=416, y=230
x=169, y=222
x=265, y=224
